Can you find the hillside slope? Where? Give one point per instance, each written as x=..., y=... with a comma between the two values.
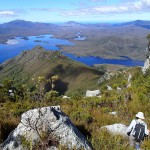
x=117, y=106
x=39, y=62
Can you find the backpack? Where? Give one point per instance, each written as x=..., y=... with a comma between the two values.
x=139, y=132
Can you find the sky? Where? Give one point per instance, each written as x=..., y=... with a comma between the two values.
x=74, y=10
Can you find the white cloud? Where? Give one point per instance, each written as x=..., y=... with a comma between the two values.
x=7, y=13
x=124, y=7
x=94, y=0
x=110, y=9
x=142, y=4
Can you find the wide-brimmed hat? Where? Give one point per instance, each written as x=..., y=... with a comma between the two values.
x=140, y=115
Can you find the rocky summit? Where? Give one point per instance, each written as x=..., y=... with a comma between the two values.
x=48, y=121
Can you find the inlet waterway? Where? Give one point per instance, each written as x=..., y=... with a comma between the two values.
x=15, y=46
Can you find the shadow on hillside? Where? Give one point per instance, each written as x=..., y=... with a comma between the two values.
x=60, y=87
x=1, y=68
x=66, y=70
x=71, y=72
x=74, y=71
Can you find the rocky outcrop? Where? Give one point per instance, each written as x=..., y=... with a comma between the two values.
x=50, y=121
x=65, y=97
x=146, y=65
x=109, y=88
x=116, y=129
x=147, y=61
x=92, y=93
x=105, y=77
x=129, y=80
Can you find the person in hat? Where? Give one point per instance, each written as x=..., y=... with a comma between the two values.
x=131, y=130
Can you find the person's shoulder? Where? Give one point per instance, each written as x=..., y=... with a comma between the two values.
x=134, y=120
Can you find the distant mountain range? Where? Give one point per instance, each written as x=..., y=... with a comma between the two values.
x=39, y=62
x=24, y=28
x=139, y=23
x=20, y=24
x=26, y=24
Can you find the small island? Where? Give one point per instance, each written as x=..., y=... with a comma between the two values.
x=37, y=41
x=24, y=38
x=42, y=36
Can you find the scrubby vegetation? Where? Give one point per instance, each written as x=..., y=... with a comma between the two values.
x=40, y=62
x=88, y=114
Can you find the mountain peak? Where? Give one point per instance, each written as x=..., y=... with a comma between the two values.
x=38, y=53
x=71, y=23
x=38, y=48
x=19, y=22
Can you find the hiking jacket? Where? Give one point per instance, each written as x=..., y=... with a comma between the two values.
x=130, y=129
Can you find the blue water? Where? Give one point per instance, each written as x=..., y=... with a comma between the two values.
x=91, y=60
x=17, y=45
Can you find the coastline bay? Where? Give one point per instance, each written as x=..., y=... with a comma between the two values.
x=18, y=44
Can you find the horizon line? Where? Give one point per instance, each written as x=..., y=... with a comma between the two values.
x=111, y=21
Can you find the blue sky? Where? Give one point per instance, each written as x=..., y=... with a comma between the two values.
x=74, y=10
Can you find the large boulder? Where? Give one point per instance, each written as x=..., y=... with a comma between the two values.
x=49, y=121
x=116, y=129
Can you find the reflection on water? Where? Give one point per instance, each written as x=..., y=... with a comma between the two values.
x=12, y=42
